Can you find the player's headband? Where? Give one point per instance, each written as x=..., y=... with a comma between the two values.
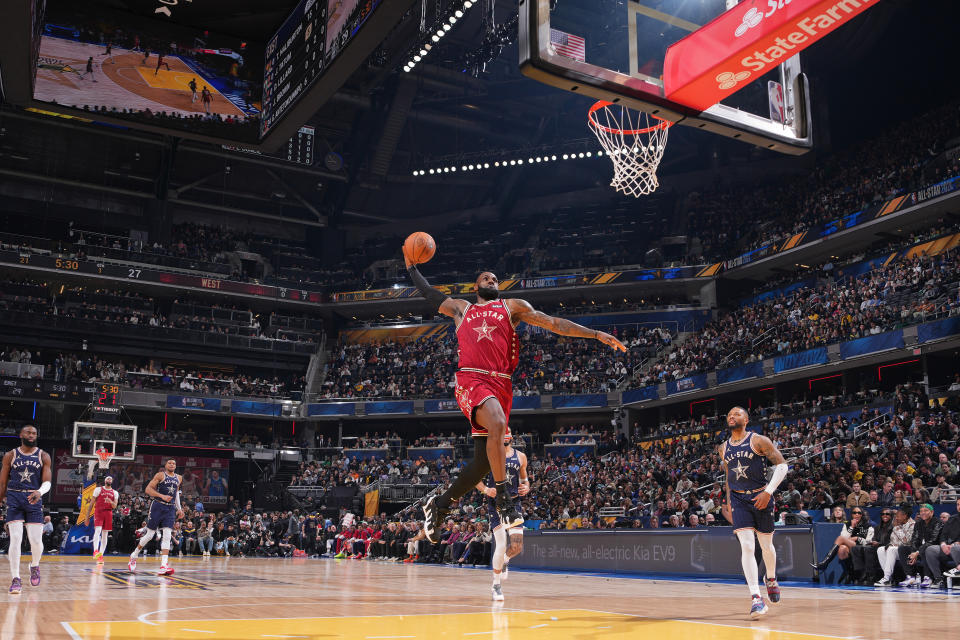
x=108, y=479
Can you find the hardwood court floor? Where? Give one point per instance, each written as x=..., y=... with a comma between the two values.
x=319, y=599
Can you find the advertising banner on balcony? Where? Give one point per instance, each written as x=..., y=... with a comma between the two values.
x=256, y=408
x=802, y=359
x=872, y=344
x=332, y=409
x=583, y=400
x=639, y=395
x=193, y=403
x=733, y=374
x=389, y=407
x=939, y=329
x=692, y=383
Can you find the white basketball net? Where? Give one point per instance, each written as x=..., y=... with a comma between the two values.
x=634, y=141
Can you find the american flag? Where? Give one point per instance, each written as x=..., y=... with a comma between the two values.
x=568, y=45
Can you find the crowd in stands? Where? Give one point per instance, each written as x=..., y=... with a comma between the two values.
x=549, y=364
x=129, y=308
x=722, y=223
x=152, y=374
x=731, y=221
x=904, y=292
x=906, y=458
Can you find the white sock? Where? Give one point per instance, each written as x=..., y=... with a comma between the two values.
x=499, y=553
x=103, y=541
x=769, y=554
x=96, y=538
x=35, y=536
x=750, y=570
x=165, y=546
x=16, y=541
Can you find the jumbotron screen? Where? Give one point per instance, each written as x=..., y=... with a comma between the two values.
x=143, y=69
x=304, y=46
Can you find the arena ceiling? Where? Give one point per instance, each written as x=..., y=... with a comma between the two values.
x=385, y=124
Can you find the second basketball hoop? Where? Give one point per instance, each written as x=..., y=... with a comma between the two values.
x=634, y=141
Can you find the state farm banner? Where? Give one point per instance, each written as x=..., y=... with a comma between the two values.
x=746, y=42
x=204, y=477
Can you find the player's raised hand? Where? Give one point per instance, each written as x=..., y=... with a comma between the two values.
x=406, y=259
x=610, y=341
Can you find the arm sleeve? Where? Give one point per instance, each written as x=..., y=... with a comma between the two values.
x=779, y=473
x=176, y=501
x=433, y=296
x=97, y=491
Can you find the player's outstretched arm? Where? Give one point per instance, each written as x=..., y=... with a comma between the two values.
x=522, y=310
x=445, y=304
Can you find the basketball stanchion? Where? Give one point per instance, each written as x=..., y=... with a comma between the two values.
x=634, y=141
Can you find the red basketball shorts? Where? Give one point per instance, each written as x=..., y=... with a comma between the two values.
x=103, y=519
x=473, y=389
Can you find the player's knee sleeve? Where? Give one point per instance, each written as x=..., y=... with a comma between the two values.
x=35, y=534
x=746, y=542
x=146, y=537
x=16, y=534
x=165, y=540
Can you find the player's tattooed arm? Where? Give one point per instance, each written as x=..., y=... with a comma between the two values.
x=769, y=450
x=523, y=311
x=5, y=474
x=151, y=489
x=766, y=447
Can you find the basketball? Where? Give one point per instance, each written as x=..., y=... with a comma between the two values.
x=419, y=247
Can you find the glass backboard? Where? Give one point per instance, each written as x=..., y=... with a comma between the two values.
x=119, y=439
x=616, y=50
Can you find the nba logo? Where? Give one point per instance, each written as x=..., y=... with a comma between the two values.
x=778, y=112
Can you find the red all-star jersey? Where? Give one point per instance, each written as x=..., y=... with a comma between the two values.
x=487, y=339
x=101, y=505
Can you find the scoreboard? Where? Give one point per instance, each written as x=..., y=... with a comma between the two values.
x=312, y=54
x=294, y=58
x=105, y=401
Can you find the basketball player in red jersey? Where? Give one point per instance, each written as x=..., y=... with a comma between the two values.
x=489, y=350
x=105, y=501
